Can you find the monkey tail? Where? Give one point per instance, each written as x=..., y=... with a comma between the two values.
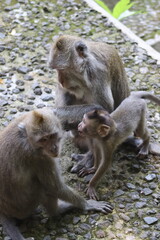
x=146, y=95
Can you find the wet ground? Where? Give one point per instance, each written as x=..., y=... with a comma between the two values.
x=27, y=28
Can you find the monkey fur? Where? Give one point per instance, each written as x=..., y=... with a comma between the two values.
x=88, y=73
x=29, y=175
x=107, y=131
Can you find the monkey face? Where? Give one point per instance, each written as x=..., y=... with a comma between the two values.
x=50, y=144
x=87, y=127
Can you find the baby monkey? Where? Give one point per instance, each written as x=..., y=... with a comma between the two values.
x=29, y=175
x=107, y=131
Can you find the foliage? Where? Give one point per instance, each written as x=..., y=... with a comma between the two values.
x=120, y=10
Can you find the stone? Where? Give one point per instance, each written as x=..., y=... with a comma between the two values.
x=150, y=220
x=140, y=204
x=147, y=191
x=23, y=70
x=150, y=177
x=118, y=193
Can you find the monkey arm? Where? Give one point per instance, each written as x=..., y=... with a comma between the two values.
x=67, y=194
x=70, y=116
x=105, y=99
x=102, y=169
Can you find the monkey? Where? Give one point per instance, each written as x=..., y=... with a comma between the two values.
x=88, y=72
x=108, y=131
x=29, y=175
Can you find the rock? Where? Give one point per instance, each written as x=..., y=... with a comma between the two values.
x=150, y=177
x=124, y=217
x=76, y=220
x=23, y=70
x=37, y=91
x=118, y=193
x=28, y=78
x=147, y=191
x=130, y=185
x=150, y=220
x=140, y=204
x=3, y=102
x=100, y=234
x=47, y=98
x=47, y=237
x=2, y=61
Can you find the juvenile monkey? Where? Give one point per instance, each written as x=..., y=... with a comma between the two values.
x=29, y=175
x=107, y=131
x=88, y=72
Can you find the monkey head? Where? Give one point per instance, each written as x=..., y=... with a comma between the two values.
x=96, y=124
x=43, y=131
x=67, y=52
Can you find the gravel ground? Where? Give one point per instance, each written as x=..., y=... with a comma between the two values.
x=27, y=28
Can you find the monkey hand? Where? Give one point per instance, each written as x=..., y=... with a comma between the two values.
x=91, y=193
x=100, y=206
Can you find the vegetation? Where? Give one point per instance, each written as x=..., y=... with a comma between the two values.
x=120, y=10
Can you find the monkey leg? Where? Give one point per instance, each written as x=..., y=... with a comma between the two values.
x=143, y=133
x=77, y=157
x=86, y=162
x=144, y=150
x=10, y=228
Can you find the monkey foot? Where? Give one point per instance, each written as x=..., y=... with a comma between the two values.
x=142, y=154
x=91, y=193
x=77, y=157
x=83, y=161
x=86, y=171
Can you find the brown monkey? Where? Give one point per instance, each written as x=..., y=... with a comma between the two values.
x=107, y=131
x=88, y=72
x=28, y=171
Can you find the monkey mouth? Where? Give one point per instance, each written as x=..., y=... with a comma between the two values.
x=82, y=134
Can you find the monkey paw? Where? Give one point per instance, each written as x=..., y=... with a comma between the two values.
x=100, y=206
x=91, y=193
x=86, y=171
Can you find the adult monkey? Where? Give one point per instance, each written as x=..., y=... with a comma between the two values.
x=88, y=72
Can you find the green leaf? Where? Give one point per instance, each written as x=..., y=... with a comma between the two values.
x=103, y=5
x=121, y=7
x=127, y=13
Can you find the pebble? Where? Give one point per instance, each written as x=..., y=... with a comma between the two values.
x=147, y=191
x=140, y=204
x=150, y=177
x=150, y=220
x=47, y=98
x=118, y=193
x=23, y=70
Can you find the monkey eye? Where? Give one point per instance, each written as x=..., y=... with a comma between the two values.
x=59, y=45
x=44, y=139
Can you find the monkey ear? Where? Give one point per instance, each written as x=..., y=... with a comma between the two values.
x=59, y=45
x=22, y=129
x=38, y=117
x=103, y=130
x=81, y=49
